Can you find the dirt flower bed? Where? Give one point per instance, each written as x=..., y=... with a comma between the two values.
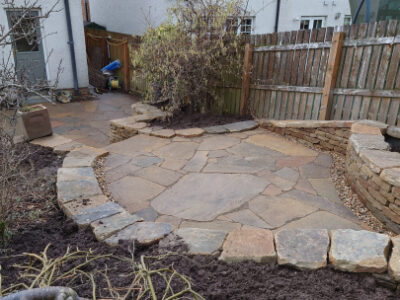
x=210, y=277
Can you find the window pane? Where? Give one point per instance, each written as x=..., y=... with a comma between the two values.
x=317, y=24
x=25, y=36
x=305, y=24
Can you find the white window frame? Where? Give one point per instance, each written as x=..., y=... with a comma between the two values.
x=240, y=25
x=349, y=17
x=312, y=19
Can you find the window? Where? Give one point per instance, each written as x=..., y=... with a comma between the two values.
x=312, y=22
x=26, y=35
x=243, y=26
x=347, y=20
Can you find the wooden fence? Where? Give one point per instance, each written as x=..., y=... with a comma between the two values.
x=103, y=47
x=322, y=74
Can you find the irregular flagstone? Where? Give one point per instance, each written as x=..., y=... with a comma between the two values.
x=217, y=153
x=51, y=141
x=394, y=262
x=134, y=193
x=174, y=164
x=115, y=174
x=245, y=149
x=241, y=126
x=197, y=162
x=288, y=174
x=144, y=233
x=61, y=149
x=272, y=190
x=221, y=225
x=92, y=214
x=137, y=144
x=234, y=164
x=325, y=188
x=159, y=175
x=304, y=185
x=71, y=174
x=72, y=190
x=323, y=160
x=368, y=142
x=174, y=221
x=281, y=183
x=394, y=131
x=378, y=160
x=321, y=220
x=359, y=251
x=202, y=197
x=77, y=206
x=106, y=227
x=148, y=214
x=145, y=161
x=392, y=176
x=177, y=150
x=216, y=129
x=293, y=161
x=314, y=171
x=164, y=133
x=218, y=142
x=278, y=211
x=360, y=128
x=190, y=132
x=249, y=244
x=116, y=160
x=83, y=157
x=303, y=248
x=337, y=208
x=202, y=241
x=247, y=217
x=281, y=144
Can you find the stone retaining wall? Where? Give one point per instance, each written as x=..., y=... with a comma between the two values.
x=327, y=135
x=374, y=173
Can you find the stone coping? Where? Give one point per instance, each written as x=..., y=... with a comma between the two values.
x=374, y=172
x=304, y=124
x=143, y=114
x=81, y=198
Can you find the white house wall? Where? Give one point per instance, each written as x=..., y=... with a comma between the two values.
x=128, y=16
x=55, y=43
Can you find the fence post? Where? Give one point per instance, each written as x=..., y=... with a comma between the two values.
x=126, y=67
x=248, y=56
x=331, y=75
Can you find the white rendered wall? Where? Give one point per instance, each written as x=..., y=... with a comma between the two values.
x=55, y=43
x=129, y=16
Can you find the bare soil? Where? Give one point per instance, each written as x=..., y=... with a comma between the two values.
x=184, y=120
x=211, y=278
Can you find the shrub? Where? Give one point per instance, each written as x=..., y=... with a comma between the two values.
x=197, y=48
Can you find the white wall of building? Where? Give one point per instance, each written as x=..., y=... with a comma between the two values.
x=128, y=16
x=55, y=43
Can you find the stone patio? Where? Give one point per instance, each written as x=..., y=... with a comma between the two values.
x=252, y=179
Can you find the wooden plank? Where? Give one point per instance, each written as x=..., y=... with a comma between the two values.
x=330, y=80
x=365, y=106
x=376, y=54
x=283, y=108
x=384, y=110
x=368, y=93
x=374, y=108
x=272, y=104
x=284, y=61
x=302, y=106
x=287, y=88
x=316, y=66
x=296, y=59
x=309, y=106
x=296, y=106
x=303, y=59
x=316, y=106
x=246, y=78
x=309, y=59
x=393, y=112
x=362, y=32
x=290, y=57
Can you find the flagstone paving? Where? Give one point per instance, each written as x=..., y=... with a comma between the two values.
x=220, y=183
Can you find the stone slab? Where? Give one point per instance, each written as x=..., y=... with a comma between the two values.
x=98, y=212
x=293, y=161
x=202, y=197
x=378, y=159
x=281, y=144
x=277, y=211
x=247, y=217
x=72, y=190
x=313, y=170
x=325, y=188
x=394, y=262
x=190, y=132
x=202, y=241
x=145, y=161
x=391, y=176
x=106, y=227
x=359, y=251
x=368, y=142
x=241, y=126
x=359, y=128
x=246, y=149
x=288, y=174
x=234, y=164
x=216, y=129
x=249, y=244
x=163, y=133
x=394, y=131
x=73, y=174
x=177, y=150
x=303, y=248
x=159, y=175
x=218, y=142
x=143, y=233
x=51, y=141
x=137, y=144
x=75, y=207
x=222, y=225
x=197, y=162
x=148, y=214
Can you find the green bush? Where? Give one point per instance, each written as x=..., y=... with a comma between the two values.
x=196, y=49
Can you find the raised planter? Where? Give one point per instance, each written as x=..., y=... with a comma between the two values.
x=34, y=122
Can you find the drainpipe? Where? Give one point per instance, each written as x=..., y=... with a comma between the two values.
x=71, y=48
x=278, y=9
x=357, y=11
